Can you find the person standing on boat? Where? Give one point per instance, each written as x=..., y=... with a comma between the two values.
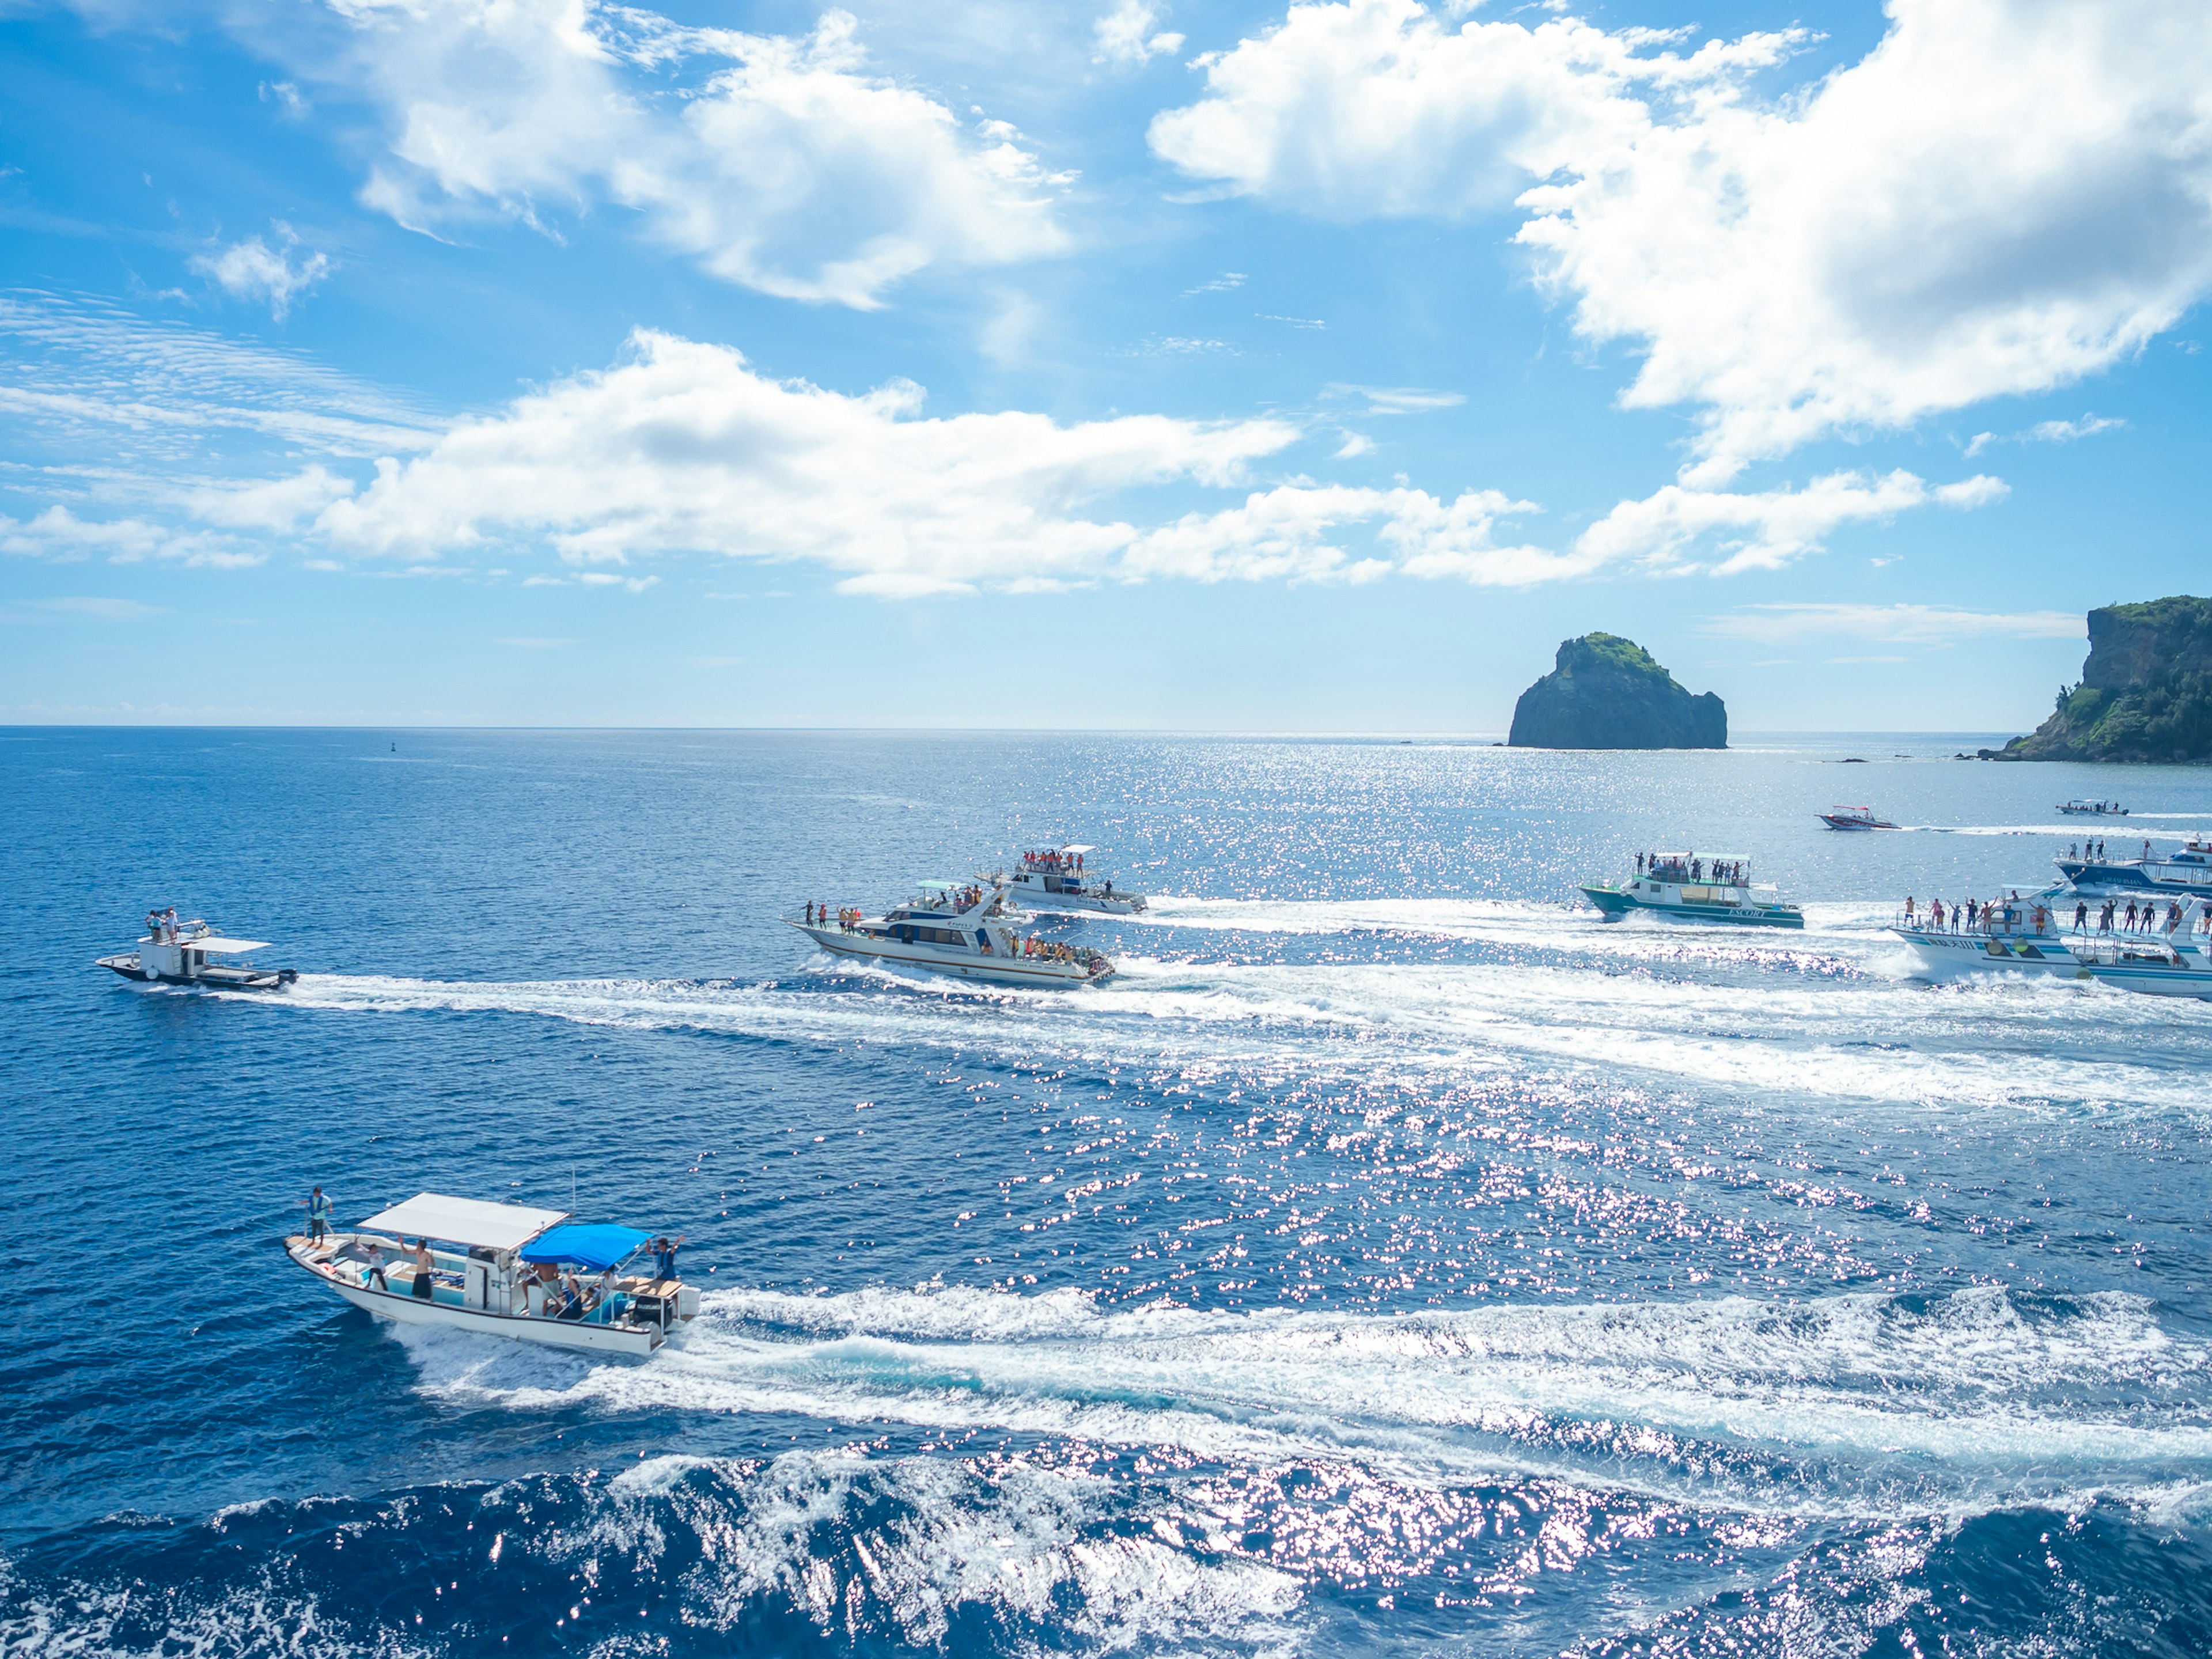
x=425, y=1288
x=663, y=1256
x=376, y=1268
x=318, y=1217
x=2081, y=915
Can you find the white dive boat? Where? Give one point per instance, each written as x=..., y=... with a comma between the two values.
x=2177, y=963
x=506, y=1270
x=1685, y=887
x=1056, y=877
x=2026, y=935
x=2187, y=874
x=2080, y=807
x=963, y=932
x=175, y=952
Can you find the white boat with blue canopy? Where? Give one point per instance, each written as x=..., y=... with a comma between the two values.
x=506, y=1270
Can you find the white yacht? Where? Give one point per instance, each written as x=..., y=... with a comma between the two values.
x=966, y=931
x=1055, y=877
x=2177, y=963
x=1689, y=887
x=2024, y=935
x=506, y=1270
x=175, y=952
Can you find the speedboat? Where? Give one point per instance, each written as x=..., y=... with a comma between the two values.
x=2185, y=874
x=1854, y=818
x=2024, y=935
x=1685, y=887
x=965, y=931
x=1056, y=878
x=2079, y=807
x=175, y=952
x=506, y=1270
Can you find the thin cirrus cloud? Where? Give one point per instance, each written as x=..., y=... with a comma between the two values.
x=789, y=169
x=682, y=448
x=2048, y=432
x=1917, y=624
x=2003, y=196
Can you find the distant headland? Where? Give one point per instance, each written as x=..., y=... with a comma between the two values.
x=1605, y=692
x=2145, y=694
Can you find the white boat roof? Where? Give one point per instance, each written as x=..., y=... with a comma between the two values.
x=1078, y=847
x=465, y=1221
x=236, y=947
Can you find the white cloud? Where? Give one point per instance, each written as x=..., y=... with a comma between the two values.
x=2003, y=196
x=1398, y=400
x=1130, y=35
x=1227, y=282
x=107, y=610
x=1926, y=624
x=2048, y=432
x=682, y=448
x=251, y=270
x=275, y=504
x=58, y=533
x=1761, y=531
x=1356, y=444
x=793, y=171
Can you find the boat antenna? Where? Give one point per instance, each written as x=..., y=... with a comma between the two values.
x=571, y=1189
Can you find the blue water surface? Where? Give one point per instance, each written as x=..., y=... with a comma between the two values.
x=1391, y=1258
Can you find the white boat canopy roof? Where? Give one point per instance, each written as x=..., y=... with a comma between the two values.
x=236, y=947
x=465, y=1221
x=1078, y=847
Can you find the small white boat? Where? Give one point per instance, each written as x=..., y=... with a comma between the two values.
x=1854, y=818
x=2023, y=935
x=2080, y=807
x=506, y=1270
x=177, y=953
x=1685, y=887
x=966, y=932
x=1055, y=877
x=2146, y=966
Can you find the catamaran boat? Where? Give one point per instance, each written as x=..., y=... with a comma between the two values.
x=2079, y=807
x=1854, y=818
x=1056, y=878
x=177, y=953
x=1685, y=887
x=2022, y=934
x=506, y=1270
x=965, y=931
x=2185, y=874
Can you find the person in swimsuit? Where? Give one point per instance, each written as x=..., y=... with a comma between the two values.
x=424, y=1285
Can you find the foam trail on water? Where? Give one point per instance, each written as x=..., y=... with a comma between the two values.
x=1859, y=1405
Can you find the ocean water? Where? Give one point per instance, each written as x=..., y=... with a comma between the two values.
x=1392, y=1259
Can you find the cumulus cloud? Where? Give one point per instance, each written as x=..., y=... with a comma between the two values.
x=253, y=269
x=792, y=170
x=1763, y=529
x=1920, y=625
x=2048, y=432
x=1130, y=35
x=683, y=446
x=2003, y=196
x=58, y=533
x=277, y=504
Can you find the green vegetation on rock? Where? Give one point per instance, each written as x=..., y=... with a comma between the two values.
x=2146, y=690
x=1605, y=692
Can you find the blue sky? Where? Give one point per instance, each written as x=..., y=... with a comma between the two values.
x=1129, y=364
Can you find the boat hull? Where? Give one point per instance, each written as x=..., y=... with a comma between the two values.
x=1099, y=906
x=1970, y=952
x=212, y=978
x=2092, y=876
x=988, y=970
x=1615, y=905
x=404, y=1309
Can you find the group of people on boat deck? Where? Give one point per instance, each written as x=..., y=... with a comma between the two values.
x=1053, y=951
x=817, y=915
x=1674, y=867
x=1971, y=915
x=2144, y=919
x=165, y=929
x=1055, y=861
x=2094, y=850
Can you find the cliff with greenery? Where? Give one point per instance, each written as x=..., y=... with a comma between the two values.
x=2146, y=690
x=1604, y=692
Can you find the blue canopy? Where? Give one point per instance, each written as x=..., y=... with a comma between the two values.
x=598, y=1245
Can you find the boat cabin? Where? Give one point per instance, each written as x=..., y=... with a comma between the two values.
x=1694, y=869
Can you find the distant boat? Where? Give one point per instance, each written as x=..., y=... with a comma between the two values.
x=963, y=932
x=1854, y=818
x=178, y=954
x=503, y=1271
x=1056, y=879
x=1683, y=887
x=2079, y=807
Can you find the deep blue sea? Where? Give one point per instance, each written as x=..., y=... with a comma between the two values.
x=1392, y=1259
